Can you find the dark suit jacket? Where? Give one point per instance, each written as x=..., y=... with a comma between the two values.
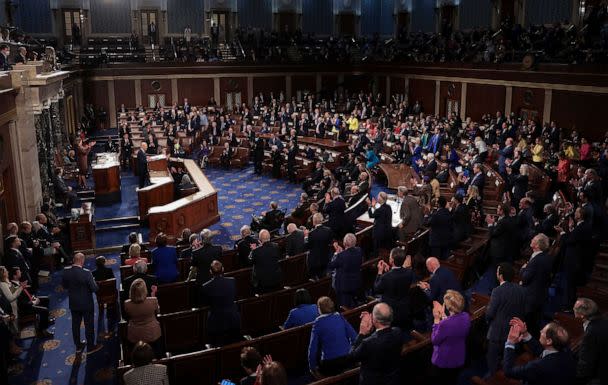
x=411, y=214
x=14, y=258
x=383, y=228
x=150, y=281
x=249, y=380
x=394, y=287
x=347, y=270
x=294, y=243
x=440, y=223
x=593, y=353
x=478, y=180
x=266, y=271
x=507, y=301
x=80, y=285
x=219, y=293
x=4, y=66
x=575, y=245
x=554, y=369
x=319, y=244
x=142, y=162
x=380, y=357
x=461, y=219
x=441, y=281
x=503, y=238
x=103, y=273
x=244, y=249
x=535, y=279
x=202, y=258
x=335, y=211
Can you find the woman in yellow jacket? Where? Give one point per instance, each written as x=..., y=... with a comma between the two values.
x=537, y=152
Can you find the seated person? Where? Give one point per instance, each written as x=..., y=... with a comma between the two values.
x=300, y=210
x=30, y=304
x=226, y=155
x=133, y=238
x=144, y=370
x=250, y=360
x=102, y=272
x=134, y=255
x=269, y=220
x=185, y=183
x=305, y=310
x=333, y=336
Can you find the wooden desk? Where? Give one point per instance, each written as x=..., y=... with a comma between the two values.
x=106, y=174
x=195, y=212
x=328, y=144
x=399, y=175
x=155, y=162
x=160, y=192
x=82, y=229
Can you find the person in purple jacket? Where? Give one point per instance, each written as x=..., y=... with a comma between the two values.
x=450, y=330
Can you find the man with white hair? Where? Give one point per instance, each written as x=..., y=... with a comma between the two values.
x=203, y=256
x=243, y=246
x=266, y=273
x=334, y=208
x=382, y=232
x=346, y=267
x=318, y=242
x=379, y=352
x=294, y=242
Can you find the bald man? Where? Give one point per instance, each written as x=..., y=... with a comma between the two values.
x=379, y=352
x=80, y=285
x=266, y=273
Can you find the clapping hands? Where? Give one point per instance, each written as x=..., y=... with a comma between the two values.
x=383, y=267
x=518, y=331
x=337, y=247
x=366, y=325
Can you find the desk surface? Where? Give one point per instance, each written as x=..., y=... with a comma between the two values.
x=106, y=160
x=395, y=207
x=400, y=175
x=205, y=188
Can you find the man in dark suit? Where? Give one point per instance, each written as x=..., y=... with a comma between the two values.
x=80, y=285
x=318, y=242
x=346, y=275
x=334, y=208
x=14, y=258
x=382, y=232
x=555, y=364
x=508, y=300
x=393, y=284
x=4, y=52
x=379, y=352
x=219, y=293
x=503, y=235
x=478, y=179
x=152, y=33
x=250, y=360
x=266, y=273
x=203, y=254
x=140, y=269
x=536, y=279
x=30, y=304
x=142, y=164
x=440, y=236
x=461, y=219
x=442, y=280
x=295, y=241
x=243, y=246
x=574, y=245
x=593, y=353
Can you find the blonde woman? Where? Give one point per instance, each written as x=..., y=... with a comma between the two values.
x=473, y=201
x=450, y=330
x=537, y=152
x=141, y=312
x=134, y=255
x=11, y=294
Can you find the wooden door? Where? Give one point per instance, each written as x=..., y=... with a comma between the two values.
x=148, y=17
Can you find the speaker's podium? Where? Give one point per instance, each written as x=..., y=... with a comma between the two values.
x=106, y=174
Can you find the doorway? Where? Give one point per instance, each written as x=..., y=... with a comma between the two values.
x=147, y=18
x=220, y=25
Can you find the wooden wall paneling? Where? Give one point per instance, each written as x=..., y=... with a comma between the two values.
x=578, y=110
x=397, y=85
x=381, y=86
x=484, y=99
x=165, y=88
x=124, y=93
x=236, y=84
x=268, y=84
x=424, y=92
x=7, y=102
x=96, y=92
x=449, y=91
x=329, y=84
x=198, y=91
x=532, y=99
x=302, y=83
x=356, y=83
x=8, y=193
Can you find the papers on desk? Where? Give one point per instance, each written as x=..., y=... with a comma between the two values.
x=395, y=207
x=106, y=160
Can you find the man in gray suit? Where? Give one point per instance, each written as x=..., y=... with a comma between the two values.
x=80, y=284
x=410, y=213
x=294, y=243
x=508, y=300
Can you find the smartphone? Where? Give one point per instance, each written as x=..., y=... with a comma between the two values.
x=227, y=382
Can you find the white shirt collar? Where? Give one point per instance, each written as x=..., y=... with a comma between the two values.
x=534, y=254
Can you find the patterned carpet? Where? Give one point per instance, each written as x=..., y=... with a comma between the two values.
x=241, y=193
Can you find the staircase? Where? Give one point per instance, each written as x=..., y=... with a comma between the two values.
x=152, y=55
